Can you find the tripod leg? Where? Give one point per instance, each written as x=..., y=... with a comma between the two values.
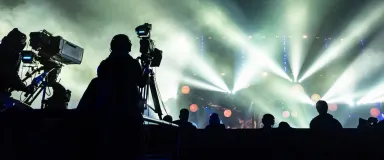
x=34, y=95
x=43, y=96
x=155, y=97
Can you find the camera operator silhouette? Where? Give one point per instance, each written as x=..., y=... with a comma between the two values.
x=10, y=61
x=117, y=82
x=114, y=95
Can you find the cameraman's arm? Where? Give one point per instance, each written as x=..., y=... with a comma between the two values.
x=17, y=83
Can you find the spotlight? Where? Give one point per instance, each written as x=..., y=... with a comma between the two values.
x=305, y=36
x=193, y=107
x=223, y=74
x=250, y=37
x=286, y=114
x=227, y=113
x=265, y=74
x=185, y=89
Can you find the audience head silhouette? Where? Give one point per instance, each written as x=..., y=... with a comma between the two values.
x=168, y=118
x=324, y=121
x=121, y=44
x=284, y=125
x=268, y=120
x=184, y=115
x=214, y=119
x=372, y=121
x=322, y=107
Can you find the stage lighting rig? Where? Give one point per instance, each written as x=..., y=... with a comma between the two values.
x=52, y=53
x=150, y=57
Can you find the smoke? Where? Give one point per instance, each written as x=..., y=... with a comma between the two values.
x=92, y=23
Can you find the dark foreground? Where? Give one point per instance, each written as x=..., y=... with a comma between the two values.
x=70, y=135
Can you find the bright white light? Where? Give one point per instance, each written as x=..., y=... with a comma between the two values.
x=223, y=74
x=200, y=84
x=217, y=19
x=305, y=36
x=368, y=63
x=359, y=27
x=265, y=74
x=250, y=37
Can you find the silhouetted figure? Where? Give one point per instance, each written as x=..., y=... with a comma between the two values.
x=118, y=78
x=380, y=125
x=371, y=123
x=268, y=121
x=214, y=123
x=284, y=125
x=183, y=120
x=10, y=48
x=115, y=96
x=168, y=118
x=324, y=121
x=59, y=99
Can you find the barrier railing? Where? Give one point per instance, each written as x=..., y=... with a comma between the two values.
x=157, y=121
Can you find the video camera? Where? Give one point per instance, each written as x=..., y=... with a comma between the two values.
x=52, y=50
x=149, y=54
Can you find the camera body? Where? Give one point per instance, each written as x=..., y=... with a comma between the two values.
x=53, y=48
x=144, y=31
x=149, y=53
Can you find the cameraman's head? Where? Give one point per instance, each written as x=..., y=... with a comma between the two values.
x=121, y=44
x=14, y=42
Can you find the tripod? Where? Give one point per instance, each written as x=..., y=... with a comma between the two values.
x=150, y=86
x=42, y=87
x=32, y=97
